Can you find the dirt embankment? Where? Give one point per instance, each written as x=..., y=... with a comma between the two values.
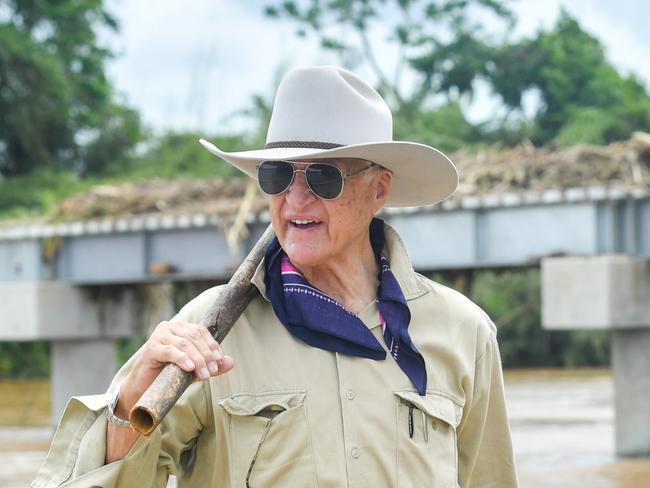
x=525, y=167
x=215, y=196
x=494, y=170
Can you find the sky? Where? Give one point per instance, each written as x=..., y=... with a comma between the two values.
x=196, y=65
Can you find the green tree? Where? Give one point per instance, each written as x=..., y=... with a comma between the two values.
x=513, y=300
x=583, y=98
x=175, y=155
x=58, y=107
x=443, y=50
x=444, y=127
x=24, y=359
x=436, y=40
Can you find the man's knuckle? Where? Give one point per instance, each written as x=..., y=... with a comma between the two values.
x=162, y=325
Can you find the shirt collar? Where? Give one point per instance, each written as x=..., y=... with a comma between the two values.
x=400, y=265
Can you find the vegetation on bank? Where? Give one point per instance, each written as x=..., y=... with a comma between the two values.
x=513, y=301
x=36, y=194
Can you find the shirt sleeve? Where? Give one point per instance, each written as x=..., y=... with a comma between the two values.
x=77, y=453
x=484, y=446
x=76, y=456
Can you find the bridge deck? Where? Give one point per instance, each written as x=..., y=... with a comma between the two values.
x=508, y=230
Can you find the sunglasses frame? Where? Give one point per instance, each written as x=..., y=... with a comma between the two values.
x=344, y=176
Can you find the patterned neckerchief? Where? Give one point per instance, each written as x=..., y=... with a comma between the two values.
x=319, y=320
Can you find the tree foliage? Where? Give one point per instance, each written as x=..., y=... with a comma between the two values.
x=444, y=127
x=513, y=300
x=436, y=40
x=174, y=155
x=58, y=107
x=582, y=97
x=167, y=156
x=24, y=359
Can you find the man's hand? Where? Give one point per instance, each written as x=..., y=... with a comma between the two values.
x=189, y=346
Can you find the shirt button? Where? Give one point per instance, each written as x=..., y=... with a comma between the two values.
x=355, y=452
x=350, y=394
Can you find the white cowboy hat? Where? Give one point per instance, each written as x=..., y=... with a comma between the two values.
x=328, y=112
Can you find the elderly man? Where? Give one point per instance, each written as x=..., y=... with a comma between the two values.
x=352, y=369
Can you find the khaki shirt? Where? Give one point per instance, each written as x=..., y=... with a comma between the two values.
x=292, y=415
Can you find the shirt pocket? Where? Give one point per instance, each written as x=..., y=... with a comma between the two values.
x=427, y=453
x=270, y=443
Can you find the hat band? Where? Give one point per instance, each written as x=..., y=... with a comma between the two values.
x=307, y=144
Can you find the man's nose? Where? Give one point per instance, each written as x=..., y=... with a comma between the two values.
x=299, y=192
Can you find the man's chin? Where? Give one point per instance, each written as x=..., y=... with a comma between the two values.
x=304, y=258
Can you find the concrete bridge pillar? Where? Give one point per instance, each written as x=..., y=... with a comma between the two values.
x=82, y=324
x=631, y=366
x=609, y=292
x=80, y=367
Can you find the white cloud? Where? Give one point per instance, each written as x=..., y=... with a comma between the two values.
x=188, y=68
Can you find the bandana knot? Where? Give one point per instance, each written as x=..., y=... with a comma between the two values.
x=320, y=321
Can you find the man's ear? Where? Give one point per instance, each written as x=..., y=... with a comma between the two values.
x=382, y=189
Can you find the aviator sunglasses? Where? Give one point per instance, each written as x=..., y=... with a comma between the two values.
x=324, y=179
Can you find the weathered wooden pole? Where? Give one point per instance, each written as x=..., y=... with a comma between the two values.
x=172, y=381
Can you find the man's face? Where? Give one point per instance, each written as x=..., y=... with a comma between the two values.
x=335, y=226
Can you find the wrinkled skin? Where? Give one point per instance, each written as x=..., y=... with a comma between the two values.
x=334, y=254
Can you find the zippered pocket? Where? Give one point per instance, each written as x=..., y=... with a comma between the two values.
x=427, y=453
x=270, y=444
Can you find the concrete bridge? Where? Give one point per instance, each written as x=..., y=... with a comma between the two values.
x=79, y=284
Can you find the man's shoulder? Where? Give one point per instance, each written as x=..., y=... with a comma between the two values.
x=455, y=304
x=194, y=310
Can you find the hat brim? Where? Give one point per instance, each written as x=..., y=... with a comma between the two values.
x=422, y=175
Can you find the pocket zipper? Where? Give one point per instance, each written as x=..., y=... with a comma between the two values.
x=425, y=424
x=250, y=468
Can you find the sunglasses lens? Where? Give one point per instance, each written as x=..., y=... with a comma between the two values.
x=325, y=180
x=274, y=177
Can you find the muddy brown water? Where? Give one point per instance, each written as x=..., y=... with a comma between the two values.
x=562, y=424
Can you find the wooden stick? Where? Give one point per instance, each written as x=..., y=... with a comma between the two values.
x=172, y=381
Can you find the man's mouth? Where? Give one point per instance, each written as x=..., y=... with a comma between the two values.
x=304, y=224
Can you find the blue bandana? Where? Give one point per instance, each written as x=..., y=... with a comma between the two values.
x=320, y=321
